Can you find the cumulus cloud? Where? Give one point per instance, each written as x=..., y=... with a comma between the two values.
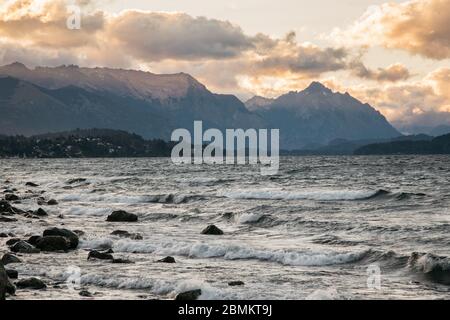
x=417, y=26
x=392, y=73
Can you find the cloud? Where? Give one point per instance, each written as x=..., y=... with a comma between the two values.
x=420, y=27
x=392, y=73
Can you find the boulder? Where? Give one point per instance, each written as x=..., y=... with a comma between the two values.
x=12, y=241
x=33, y=240
x=23, y=247
x=12, y=274
x=168, y=260
x=52, y=202
x=3, y=235
x=236, y=283
x=31, y=283
x=31, y=184
x=122, y=261
x=70, y=235
x=11, y=197
x=94, y=254
x=5, y=285
x=9, y=258
x=189, y=295
x=212, y=230
x=126, y=234
x=122, y=216
x=40, y=213
x=53, y=243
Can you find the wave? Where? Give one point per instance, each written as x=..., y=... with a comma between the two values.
x=320, y=195
x=434, y=268
x=235, y=252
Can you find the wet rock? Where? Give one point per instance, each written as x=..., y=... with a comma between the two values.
x=70, y=235
x=12, y=274
x=7, y=209
x=76, y=180
x=212, y=230
x=11, y=197
x=31, y=184
x=53, y=243
x=40, y=213
x=24, y=247
x=235, y=283
x=126, y=234
x=3, y=235
x=85, y=293
x=33, y=240
x=61, y=216
x=122, y=261
x=168, y=260
x=5, y=219
x=122, y=216
x=189, y=295
x=9, y=258
x=5, y=285
x=12, y=241
x=94, y=254
x=31, y=283
x=8, y=191
x=52, y=202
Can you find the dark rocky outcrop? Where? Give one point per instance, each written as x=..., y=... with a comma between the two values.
x=212, y=230
x=70, y=235
x=12, y=241
x=235, y=283
x=189, y=295
x=11, y=197
x=33, y=240
x=40, y=213
x=31, y=184
x=5, y=285
x=9, y=258
x=168, y=260
x=94, y=254
x=53, y=243
x=126, y=234
x=52, y=202
x=122, y=216
x=31, y=283
x=12, y=274
x=24, y=247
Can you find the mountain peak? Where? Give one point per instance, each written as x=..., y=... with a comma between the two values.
x=316, y=86
x=17, y=65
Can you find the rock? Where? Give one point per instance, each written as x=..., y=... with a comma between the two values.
x=52, y=202
x=11, y=197
x=31, y=283
x=85, y=293
x=33, y=240
x=236, y=283
x=5, y=219
x=79, y=233
x=12, y=274
x=40, y=213
x=126, y=234
x=5, y=285
x=61, y=216
x=53, y=243
x=76, y=180
x=7, y=209
x=189, y=295
x=212, y=230
x=31, y=184
x=168, y=260
x=94, y=254
x=122, y=216
x=122, y=261
x=12, y=241
x=24, y=247
x=70, y=235
x=9, y=258
x=3, y=235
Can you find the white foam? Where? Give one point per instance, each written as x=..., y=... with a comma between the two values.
x=248, y=218
x=320, y=195
x=234, y=252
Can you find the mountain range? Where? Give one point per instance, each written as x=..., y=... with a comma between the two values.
x=54, y=99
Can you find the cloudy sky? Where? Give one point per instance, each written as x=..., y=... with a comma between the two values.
x=394, y=55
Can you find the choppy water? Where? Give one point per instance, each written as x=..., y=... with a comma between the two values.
x=309, y=232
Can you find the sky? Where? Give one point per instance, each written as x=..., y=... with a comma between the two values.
x=394, y=55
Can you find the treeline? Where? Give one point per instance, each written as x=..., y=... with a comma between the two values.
x=92, y=143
